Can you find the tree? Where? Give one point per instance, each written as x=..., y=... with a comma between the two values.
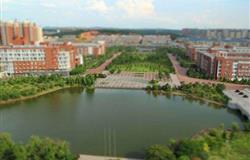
x=9, y=150
x=159, y=152
x=247, y=126
x=191, y=148
x=48, y=149
x=78, y=70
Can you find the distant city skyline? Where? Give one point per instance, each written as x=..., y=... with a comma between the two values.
x=169, y=14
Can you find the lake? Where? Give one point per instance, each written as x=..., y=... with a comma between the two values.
x=110, y=121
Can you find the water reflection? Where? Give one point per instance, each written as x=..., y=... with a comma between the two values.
x=80, y=118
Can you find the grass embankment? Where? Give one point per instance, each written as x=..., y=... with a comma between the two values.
x=133, y=61
x=214, y=144
x=212, y=93
x=21, y=88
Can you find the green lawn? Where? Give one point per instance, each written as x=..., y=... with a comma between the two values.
x=93, y=62
x=142, y=62
x=140, y=67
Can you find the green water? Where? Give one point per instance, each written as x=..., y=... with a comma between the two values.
x=120, y=122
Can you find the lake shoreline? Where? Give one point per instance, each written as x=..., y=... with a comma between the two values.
x=176, y=93
x=10, y=101
x=66, y=87
x=200, y=98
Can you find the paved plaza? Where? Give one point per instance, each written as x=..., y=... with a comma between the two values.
x=239, y=102
x=126, y=80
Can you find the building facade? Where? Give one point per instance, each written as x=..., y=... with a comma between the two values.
x=91, y=49
x=225, y=62
x=20, y=33
x=42, y=59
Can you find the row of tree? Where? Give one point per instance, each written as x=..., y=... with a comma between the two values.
x=212, y=92
x=17, y=87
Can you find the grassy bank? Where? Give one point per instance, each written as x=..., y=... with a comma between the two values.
x=211, y=93
x=22, y=88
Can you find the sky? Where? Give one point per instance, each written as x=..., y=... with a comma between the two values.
x=168, y=14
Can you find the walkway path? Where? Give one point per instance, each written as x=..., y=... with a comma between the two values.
x=102, y=67
x=181, y=74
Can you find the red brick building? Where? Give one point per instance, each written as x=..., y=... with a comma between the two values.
x=193, y=49
x=38, y=59
x=20, y=33
x=227, y=62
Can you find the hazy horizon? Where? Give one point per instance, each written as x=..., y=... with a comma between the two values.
x=131, y=14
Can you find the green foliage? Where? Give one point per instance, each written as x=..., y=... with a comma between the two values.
x=181, y=56
x=195, y=72
x=166, y=88
x=159, y=152
x=48, y=149
x=18, y=87
x=217, y=143
x=133, y=61
x=78, y=70
x=93, y=62
x=247, y=126
x=36, y=149
x=191, y=148
x=235, y=127
x=211, y=92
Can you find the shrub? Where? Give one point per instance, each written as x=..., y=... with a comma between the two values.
x=48, y=149
x=159, y=152
x=247, y=126
x=235, y=127
x=191, y=148
x=36, y=149
x=78, y=70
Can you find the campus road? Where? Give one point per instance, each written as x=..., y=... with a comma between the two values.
x=102, y=67
x=182, y=75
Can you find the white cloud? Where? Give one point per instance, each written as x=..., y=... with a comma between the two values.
x=97, y=6
x=137, y=8
x=48, y=5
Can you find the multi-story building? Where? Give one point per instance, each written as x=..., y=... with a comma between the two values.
x=225, y=62
x=206, y=61
x=217, y=33
x=193, y=49
x=93, y=48
x=38, y=59
x=20, y=33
